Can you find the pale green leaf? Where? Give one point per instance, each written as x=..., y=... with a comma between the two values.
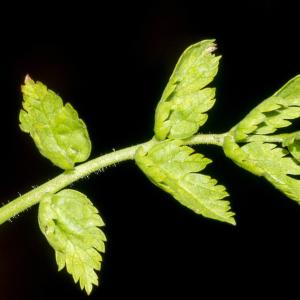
x=71, y=224
x=173, y=167
x=273, y=113
x=267, y=160
x=184, y=103
x=55, y=128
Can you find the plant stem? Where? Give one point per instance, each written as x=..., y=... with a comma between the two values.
x=54, y=185
x=208, y=139
x=61, y=181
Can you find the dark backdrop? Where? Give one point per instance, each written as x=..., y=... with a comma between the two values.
x=112, y=63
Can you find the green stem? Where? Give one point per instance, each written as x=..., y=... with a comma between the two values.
x=66, y=178
x=54, y=185
x=208, y=139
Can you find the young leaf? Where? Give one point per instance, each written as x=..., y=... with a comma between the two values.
x=71, y=224
x=267, y=160
x=273, y=113
x=56, y=129
x=172, y=167
x=181, y=110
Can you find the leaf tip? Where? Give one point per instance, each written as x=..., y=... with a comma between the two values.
x=232, y=221
x=213, y=47
x=27, y=79
x=88, y=289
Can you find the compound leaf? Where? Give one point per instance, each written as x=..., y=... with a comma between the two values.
x=273, y=113
x=71, y=224
x=181, y=110
x=172, y=167
x=56, y=129
x=267, y=160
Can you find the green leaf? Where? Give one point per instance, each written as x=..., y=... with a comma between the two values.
x=267, y=160
x=273, y=113
x=181, y=110
x=56, y=129
x=70, y=223
x=259, y=155
x=172, y=167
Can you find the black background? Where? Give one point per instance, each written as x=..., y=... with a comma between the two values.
x=112, y=62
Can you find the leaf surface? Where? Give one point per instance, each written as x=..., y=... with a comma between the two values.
x=173, y=167
x=273, y=113
x=56, y=129
x=267, y=160
x=71, y=224
x=184, y=103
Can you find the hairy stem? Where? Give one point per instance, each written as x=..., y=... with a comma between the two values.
x=61, y=181
x=54, y=185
